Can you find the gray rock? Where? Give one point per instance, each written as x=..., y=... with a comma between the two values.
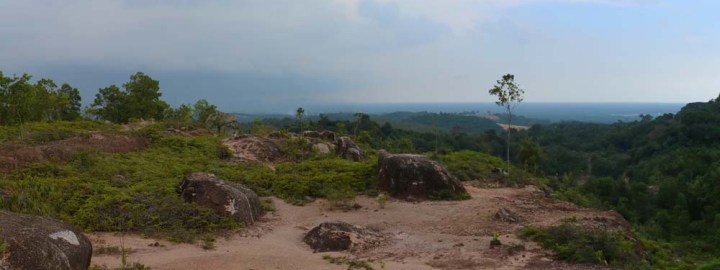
x=35, y=242
x=338, y=236
x=225, y=198
x=409, y=177
x=328, y=135
x=347, y=149
x=311, y=134
x=323, y=148
x=253, y=148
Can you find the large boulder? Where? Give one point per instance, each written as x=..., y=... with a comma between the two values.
x=410, y=177
x=322, y=148
x=338, y=236
x=347, y=149
x=33, y=242
x=225, y=198
x=253, y=148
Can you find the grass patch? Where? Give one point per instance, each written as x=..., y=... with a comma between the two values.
x=111, y=250
x=43, y=132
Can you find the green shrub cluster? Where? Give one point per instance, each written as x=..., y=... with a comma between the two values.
x=137, y=191
x=574, y=243
x=332, y=178
x=469, y=165
x=122, y=192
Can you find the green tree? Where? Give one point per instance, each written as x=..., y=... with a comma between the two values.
x=360, y=118
x=111, y=104
x=299, y=116
x=140, y=99
x=203, y=110
x=182, y=115
x=143, y=95
x=71, y=109
x=529, y=155
x=509, y=95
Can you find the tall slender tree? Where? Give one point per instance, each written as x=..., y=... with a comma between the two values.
x=300, y=116
x=509, y=96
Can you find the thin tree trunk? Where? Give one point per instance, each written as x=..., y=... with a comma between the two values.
x=508, y=140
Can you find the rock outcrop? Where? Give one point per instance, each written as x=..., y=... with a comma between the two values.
x=322, y=148
x=410, y=177
x=347, y=149
x=225, y=198
x=253, y=148
x=338, y=236
x=34, y=242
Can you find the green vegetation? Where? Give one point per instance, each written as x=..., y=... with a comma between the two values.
x=43, y=132
x=129, y=266
x=139, y=99
x=509, y=96
x=22, y=101
x=660, y=174
x=571, y=242
x=351, y=263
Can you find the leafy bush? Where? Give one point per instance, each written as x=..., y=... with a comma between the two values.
x=332, y=178
x=122, y=192
x=469, y=165
x=573, y=243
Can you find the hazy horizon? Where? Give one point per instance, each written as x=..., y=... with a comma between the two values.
x=600, y=112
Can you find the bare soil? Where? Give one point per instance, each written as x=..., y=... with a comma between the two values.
x=424, y=235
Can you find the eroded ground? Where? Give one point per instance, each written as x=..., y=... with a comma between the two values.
x=425, y=235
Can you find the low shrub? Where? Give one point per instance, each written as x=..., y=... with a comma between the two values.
x=571, y=242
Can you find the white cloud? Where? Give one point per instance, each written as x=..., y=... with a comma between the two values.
x=379, y=50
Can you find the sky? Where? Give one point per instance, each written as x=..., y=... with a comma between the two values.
x=266, y=55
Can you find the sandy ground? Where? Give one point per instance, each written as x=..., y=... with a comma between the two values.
x=425, y=235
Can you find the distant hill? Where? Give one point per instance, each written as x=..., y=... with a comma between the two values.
x=463, y=122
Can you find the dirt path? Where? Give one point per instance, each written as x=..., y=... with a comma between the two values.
x=426, y=235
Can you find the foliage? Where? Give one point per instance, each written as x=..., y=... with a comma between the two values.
x=139, y=99
x=469, y=165
x=202, y=110
x=128, y=192
x=574, y=243
x=22, y=101
x=509, y=95
x=661, y=174
x=332, y=178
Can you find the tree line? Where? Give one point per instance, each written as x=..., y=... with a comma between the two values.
x=22, y=101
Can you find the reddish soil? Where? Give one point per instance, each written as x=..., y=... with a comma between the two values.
x=425, y=235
